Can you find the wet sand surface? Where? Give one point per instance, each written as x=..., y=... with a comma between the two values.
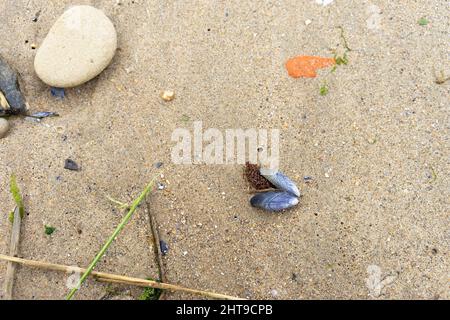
x=376, y=146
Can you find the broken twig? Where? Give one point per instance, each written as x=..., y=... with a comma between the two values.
x=113, y=278
x=157, y=248
x=14, y=251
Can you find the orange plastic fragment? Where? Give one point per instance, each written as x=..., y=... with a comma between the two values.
x=306, y=66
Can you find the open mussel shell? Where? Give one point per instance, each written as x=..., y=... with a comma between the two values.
x=11, y=98
x=274, y=200
x=280, y=181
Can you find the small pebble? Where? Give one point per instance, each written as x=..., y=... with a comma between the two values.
x=158, y=165
x=4, y=127
x=36, y=16
x=161, y=186
x=58, y=92
x=308, y=22
x=168, y=95
x=307, y=179
x=32, y=119
x=164, y=247
x=71, y=165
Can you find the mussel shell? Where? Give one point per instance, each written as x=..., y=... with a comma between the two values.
x=58, y=92
x=274, y=200
x=281, y=181
x=9, y=88
x=44, y=114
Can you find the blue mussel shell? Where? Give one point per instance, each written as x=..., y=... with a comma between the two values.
x=274, y=200
x=282, y=182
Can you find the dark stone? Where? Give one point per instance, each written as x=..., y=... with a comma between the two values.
x=71, y=165
x=36, y=16
x=164, y=247
x=158, y=165
x=58, y=92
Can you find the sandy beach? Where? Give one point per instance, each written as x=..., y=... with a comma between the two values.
x=373, y=220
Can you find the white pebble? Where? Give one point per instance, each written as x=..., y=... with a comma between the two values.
x=4, y=127
x=168, y=95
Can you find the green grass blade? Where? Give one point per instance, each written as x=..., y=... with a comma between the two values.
x=119, y=228
x=15, y=191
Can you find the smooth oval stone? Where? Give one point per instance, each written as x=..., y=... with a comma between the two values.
x=79, y=46
x=4, y=127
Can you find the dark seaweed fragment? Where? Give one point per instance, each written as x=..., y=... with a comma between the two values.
x=255, y=178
